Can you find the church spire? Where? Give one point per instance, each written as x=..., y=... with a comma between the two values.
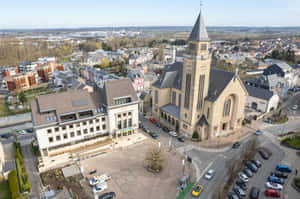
x=199, y=32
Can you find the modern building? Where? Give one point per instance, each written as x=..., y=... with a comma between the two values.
x=191, y=96
x=261, y=100
x=66, y=121
x=21, y=81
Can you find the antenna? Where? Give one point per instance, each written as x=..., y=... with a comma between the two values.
x=201, y=4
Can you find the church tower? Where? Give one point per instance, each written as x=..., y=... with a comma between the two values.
x=195, y=76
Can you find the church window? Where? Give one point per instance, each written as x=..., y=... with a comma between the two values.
x=174, y=97
x=156, y=97
x=200, y=92
x=179, y=100
x=207, y=116
x=203, y=47
x=187, y=91
x=227, y=106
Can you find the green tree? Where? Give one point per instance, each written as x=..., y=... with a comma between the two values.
x=22, y=97
x=105, y=63
x=195, y=135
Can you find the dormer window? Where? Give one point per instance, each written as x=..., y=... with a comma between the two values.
x=123, y=100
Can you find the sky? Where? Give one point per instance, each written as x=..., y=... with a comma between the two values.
x=113, y=13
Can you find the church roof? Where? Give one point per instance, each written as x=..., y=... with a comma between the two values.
x=172, y=78
x=171, y=109
x=199, y=32
x=202, y=121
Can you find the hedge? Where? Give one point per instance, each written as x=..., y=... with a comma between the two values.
x=13, y=184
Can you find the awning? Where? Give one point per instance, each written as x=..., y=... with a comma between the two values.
x=126, y=130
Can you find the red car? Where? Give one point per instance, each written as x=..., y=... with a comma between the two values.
x=273, y=193
x=152, y=120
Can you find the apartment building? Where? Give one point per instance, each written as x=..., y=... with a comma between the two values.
x=22, y=81
x=66, y=121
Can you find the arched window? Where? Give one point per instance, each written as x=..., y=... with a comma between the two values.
x=227, y=106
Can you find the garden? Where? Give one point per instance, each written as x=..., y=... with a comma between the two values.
x=292, y=141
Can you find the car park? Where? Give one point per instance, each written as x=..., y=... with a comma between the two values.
x=263, y=154
x=243, y=177
x=279, y=174
x=251, y=166
x=210, y=174
x=197, y=190
x=275, y=179
x=232, y=195
x=108, y=195
x=256, y=162
x=165, y=129
x=241, y=184
x=173, y=133
x=238, y=191
x=272, y=185
x=272, y=193
x=254, y=193
x=283, y=168
x=152, y=120
x=258, y=132
x=236, y=145
x=248, y=172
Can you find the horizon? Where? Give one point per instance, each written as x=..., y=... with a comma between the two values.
x=120, y=13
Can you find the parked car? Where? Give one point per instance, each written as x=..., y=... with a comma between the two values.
x=22, y=132
x=180, y=139
x=29, y=130
x=158, y=124
x=243, y=177
x=165, y=129
x=210, y=174
x=295, y=107
x=272, y=185
x=238, y=191
x=232, y=195
x=254, y=193
x=5, y=136
x=197, y=190
x=153, y=135
x=236, y=145
x=173, y=133
x=93, y=172
x=258, y=132
x=275, y=179
x=146, y=129
x=279, y=174
x=152, y=120
x=99, y=179
x=248, y=172
x=241, y=184
x=251, y=166
x=108, y=195
x=272, y=193
x=256, y=162
x=100, y=187
x=284, y=168
x=263, y=154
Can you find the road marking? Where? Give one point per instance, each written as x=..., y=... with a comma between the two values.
x=205, y=170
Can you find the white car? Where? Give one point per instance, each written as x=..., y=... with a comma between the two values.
x=100, y=187
x=99, y=179
x=243, y=177
x=272, y=185
x=173, y=133
x=22, y=132
x=295, y=107
x=210, y=174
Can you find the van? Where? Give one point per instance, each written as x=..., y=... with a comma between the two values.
x=283, y=168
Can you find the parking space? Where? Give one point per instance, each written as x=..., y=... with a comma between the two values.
x=261, y=176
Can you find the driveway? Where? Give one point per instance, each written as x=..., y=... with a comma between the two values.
x=34, y=177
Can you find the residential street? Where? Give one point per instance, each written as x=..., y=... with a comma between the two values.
x=34, y=178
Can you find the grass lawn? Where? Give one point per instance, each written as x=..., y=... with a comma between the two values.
x=186, y=190
x=293, y=141
x=4, y=190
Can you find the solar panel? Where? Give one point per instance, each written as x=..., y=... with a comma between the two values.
x=80, y=102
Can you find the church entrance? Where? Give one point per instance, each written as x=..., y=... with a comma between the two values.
x=224, y=126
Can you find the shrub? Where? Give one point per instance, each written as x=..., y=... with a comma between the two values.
x=297, y=182
x=195, y=135
x=13, y=184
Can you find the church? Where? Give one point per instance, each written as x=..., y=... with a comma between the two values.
x=191, y=96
